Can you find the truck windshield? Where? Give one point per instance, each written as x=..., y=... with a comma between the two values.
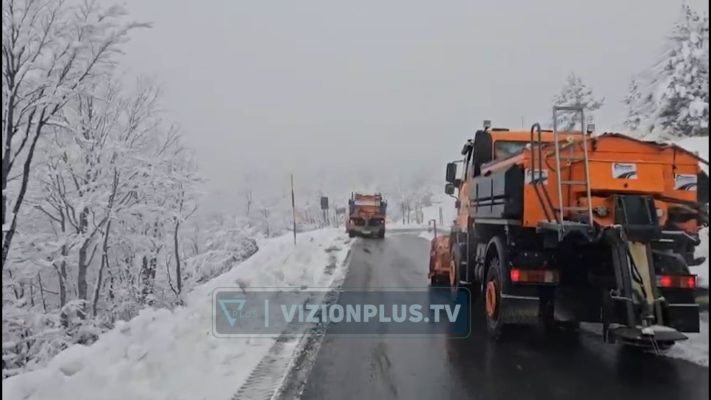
x=505, y=149
x=367, y=202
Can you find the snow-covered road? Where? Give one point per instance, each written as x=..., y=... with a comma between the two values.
x=164, y=354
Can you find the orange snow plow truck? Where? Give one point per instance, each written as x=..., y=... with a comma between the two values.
x=561, y=227
x=366, y=215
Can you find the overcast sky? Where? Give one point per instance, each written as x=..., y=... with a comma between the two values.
x=321, y=85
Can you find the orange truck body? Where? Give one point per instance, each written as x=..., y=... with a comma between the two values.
x=366, y=215
x=659, y=171
x=602, y=227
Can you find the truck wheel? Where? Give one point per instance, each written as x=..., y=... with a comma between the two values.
x=351, y=234
x=492, y=298
x=381, y=235
x=434, y=280
x=453, y=275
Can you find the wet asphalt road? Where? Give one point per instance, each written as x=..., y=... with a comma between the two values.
x=526, y=365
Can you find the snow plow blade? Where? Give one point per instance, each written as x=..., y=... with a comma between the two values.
x=656, y=336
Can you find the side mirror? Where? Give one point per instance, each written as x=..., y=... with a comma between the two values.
x=451, y=173
x=449, y=189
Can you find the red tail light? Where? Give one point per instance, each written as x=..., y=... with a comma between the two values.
x=677, y=281
x=691, y=282
x=519, y=275
x=665, y=281
x=515, y=275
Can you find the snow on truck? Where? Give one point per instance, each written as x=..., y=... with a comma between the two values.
x=366, y=215
x=560, y=227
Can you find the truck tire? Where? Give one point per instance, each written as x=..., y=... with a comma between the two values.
x=351, y=234
x=453, y=273
x=492, y=299
x=381, y=234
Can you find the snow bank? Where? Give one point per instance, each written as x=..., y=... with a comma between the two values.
x=427, y=235
x=164, y=354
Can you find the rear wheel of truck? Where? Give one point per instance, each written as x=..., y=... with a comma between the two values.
x=351, y=234
x=492, y=299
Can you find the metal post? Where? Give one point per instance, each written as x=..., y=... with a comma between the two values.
x=586, y=165
x=556, y=145
x=293, y=206
x=266, y=220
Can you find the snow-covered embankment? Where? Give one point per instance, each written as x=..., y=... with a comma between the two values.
x=164, y=354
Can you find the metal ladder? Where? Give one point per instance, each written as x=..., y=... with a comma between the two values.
x=570, y=158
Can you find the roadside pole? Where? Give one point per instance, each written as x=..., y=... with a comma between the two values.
x=266, y=219
x=293, y=206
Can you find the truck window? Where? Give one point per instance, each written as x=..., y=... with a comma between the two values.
x=504, y=149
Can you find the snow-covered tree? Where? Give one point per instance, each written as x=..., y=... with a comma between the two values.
x=50, y=51
x=682, y=93
x=576, y=93
x=634, y=103
x=671, y=99
x=101, y=230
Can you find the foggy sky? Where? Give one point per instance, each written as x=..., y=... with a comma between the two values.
x=321, y=87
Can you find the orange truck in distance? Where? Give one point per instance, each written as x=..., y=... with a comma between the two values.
x=366, y=215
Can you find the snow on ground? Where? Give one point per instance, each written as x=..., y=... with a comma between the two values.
x=696, y=349
x=432, y=212
x=164, y=354
x=446, y=204
x=427, y=235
